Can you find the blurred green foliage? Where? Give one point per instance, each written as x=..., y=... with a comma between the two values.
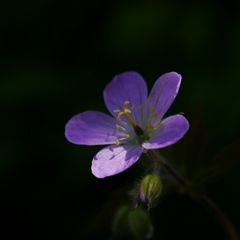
x=56, y=59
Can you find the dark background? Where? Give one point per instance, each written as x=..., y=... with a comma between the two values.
x=56, y=59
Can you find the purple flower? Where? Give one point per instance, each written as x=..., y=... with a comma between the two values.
x=137, y=123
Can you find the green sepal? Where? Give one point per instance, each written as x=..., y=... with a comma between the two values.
x=140, y=224
x=120, y=222
x=150, y=189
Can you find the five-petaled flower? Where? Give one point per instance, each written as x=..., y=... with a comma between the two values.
x=137, y=123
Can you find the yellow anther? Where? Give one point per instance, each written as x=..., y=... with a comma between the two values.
x=125, y=105
x=154, y=115
x=152, y=127
x=119, y=139
x=132, y=107
x=153, y=110
x=126, y=112
x=142, y=105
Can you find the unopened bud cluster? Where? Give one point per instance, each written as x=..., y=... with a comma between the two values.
x=136, y=222
x=150, y=189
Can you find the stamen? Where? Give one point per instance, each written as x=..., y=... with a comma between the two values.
x=119, y=139
x=120, y=113
x=125, y=105
x=154, y=115
x=132, y=107
x=152, y=127
x=118, y=127
x=142, y=105
x=153, y=110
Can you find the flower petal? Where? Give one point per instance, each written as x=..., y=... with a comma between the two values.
x=112, y=160
x=128, y=86
x=162, y=94
x=92, y=128
x=170, y=131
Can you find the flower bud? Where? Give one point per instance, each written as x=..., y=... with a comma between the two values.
x=140, y=224
x=150, y=189
x=120, y=220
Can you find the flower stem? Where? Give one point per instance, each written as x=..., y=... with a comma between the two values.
x=153, y=156
x=203, y=199
x=219, y=216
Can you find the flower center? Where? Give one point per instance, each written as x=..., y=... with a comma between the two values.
x=149, y=128
x=126, y=111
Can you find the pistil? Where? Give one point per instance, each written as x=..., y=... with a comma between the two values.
x=127, y=112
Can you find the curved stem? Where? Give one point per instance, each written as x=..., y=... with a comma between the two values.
x=153, y=156
x=219, y=216
x=204, y=200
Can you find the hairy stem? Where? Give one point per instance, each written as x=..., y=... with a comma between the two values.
x=203, y=199
x=154, y=157
x=219, y=216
